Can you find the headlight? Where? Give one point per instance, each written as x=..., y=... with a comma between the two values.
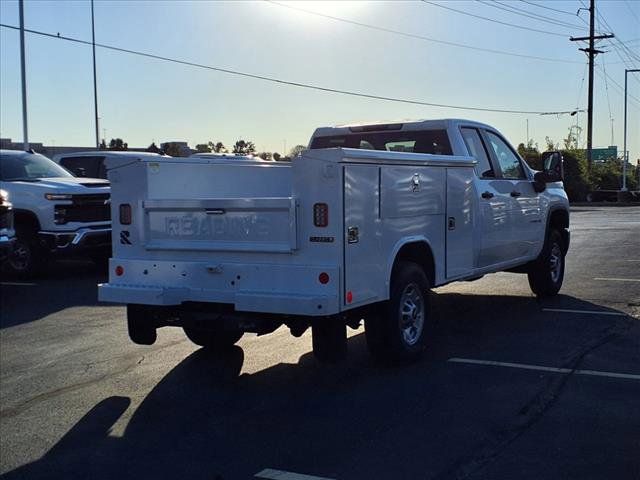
x=57, y=196
x=4, y=195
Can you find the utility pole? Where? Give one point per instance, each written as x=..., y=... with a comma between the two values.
x=624, y=151
x=95, y=83
x=25, y=131
x=592, y=52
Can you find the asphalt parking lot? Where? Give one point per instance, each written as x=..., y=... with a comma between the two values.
x=511, y=387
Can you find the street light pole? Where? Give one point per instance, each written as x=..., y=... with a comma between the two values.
x=624, y=151
x=95, y=83
x=25, y=131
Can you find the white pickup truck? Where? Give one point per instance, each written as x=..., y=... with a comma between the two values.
x=55, y=213
x=360, y=226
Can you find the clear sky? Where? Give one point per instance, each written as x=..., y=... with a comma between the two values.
x=143, y=100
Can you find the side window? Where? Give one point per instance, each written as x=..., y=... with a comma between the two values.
x=508, y=160
x=476, y=149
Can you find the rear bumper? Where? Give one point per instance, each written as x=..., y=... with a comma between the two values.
x=82, y=239
x=258, y=288
x=258, y=302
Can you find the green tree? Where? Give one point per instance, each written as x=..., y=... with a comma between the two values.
x=103, y=145
x=277, y=157
x=203, y=148
x=218, y=147
x=576, y=182
x=297, y=150
x=243, y=147
x=265, y=155
x=118, y=144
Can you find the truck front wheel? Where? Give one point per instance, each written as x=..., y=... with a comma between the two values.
x=547, y=271
x=214, y=339
x=27, y=258
x=400, y=331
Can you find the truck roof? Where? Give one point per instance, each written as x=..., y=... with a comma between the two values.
x=400, y=125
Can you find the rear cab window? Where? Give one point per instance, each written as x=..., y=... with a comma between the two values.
x=435, y=142
x=85, y=166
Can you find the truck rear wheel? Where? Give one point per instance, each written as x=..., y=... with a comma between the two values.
x=214, y=339
x=141, y=324
x=547, y=271
x=329, y=337
x=399, y=332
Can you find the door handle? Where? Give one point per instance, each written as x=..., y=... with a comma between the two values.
x=515, y=194
x=487, y=195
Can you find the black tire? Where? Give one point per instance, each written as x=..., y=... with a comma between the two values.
x=329, y=338
x=141, y=324
x=400, y=332
x=546, y=273
x=214, y=339
x=27, y=258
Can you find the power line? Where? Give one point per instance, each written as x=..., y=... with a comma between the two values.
x=494, y=20
x=528, y=14
x=548, y=8
x=286, y=82
x=419, y=37
x=631, y=10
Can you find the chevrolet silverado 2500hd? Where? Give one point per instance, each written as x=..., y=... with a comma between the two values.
x=360, y=226
x=55, y=213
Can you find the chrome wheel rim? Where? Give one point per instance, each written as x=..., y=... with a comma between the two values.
x=20, y=256
x=555, y=263
x=412, y=313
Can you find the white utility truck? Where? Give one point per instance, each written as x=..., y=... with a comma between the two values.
x=360, y=226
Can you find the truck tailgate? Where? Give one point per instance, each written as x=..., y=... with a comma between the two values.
x=221, y=224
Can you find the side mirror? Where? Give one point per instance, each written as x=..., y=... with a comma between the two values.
x=553, y=166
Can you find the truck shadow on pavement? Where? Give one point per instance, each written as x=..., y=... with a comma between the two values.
x=66, y=283
x=205, y=419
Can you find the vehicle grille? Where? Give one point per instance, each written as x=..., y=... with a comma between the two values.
x=84, y=209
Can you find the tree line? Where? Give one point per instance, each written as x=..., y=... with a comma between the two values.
x=579, y=180
x=240, y=147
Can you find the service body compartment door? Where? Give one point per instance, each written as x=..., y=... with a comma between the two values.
x=459, y=221
x=363, y=262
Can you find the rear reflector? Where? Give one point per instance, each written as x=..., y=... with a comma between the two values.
x=125, y=214
x=119, y=271
x=321, y=214
x=323, y=278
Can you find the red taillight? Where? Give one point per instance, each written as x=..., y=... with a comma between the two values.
x=321, y=214
x=349, y=297
x=119, y=271
x=323, y=278
x=125, y=214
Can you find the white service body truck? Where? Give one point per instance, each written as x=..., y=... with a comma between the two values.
x=360, y=226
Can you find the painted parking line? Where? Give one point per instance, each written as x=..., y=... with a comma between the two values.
x=17, y=284
x=284, y=475
x=524, y=366
x=611, y=279
x=588, y=312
